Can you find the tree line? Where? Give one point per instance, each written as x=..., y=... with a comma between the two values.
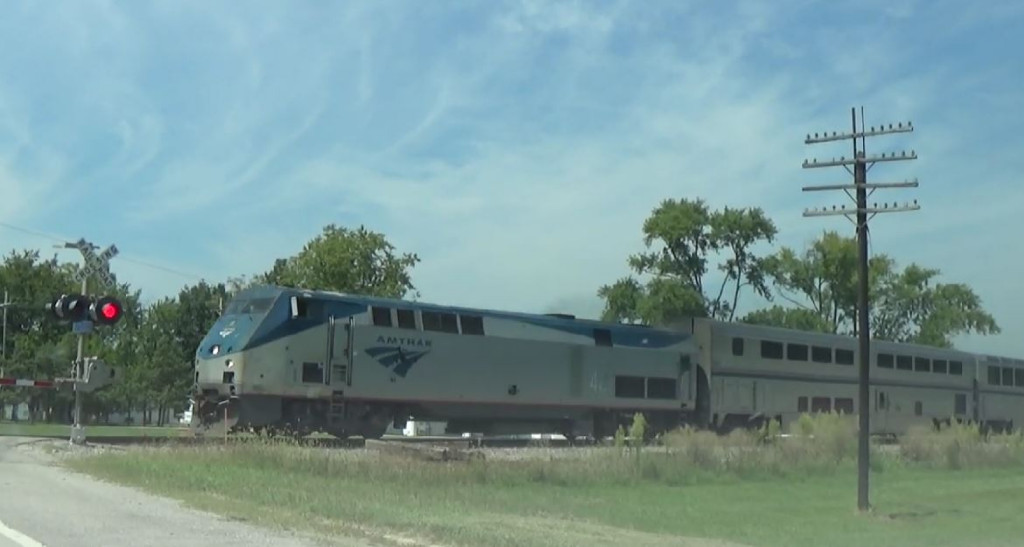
x=685, y=242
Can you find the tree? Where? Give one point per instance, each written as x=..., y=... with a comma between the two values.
x=687, y=235
x=355, y=261
x=906, y=305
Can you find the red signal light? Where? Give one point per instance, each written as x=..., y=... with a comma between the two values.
x=110, y=311
x=106, y=310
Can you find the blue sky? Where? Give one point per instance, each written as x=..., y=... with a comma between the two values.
x=516, y=146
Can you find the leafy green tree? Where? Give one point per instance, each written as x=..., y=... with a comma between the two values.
x=683, y=238
x=906, y=305
x=339, y=259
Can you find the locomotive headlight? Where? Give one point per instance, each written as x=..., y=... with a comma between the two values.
x=229, y=363
x=215, y=349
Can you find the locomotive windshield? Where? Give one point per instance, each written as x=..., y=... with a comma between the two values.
x=249, y=306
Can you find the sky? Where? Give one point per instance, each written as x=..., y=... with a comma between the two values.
x=515, y=146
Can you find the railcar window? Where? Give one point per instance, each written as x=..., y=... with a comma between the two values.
x=1018, y=377
x=885, y=360
x=1007, y=376
x=844, y=356
x=993, y=375
x=737, y=346
x=960, y=404
x=381, y=316
x=922, y=364
x=801, y=404
x=956, y=367
x=844, y=405
x=629, y=386
x=661, y=388
x=771, y=350
x=939, y=366
x=904, y=362
x=796, y=352
x=440, y=322
x=821, y=355
x=472, y=324
x=406, y=319
x=602, y=337
x=821, y=404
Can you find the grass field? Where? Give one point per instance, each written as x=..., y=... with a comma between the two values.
x=59, y=430
x=950, y=488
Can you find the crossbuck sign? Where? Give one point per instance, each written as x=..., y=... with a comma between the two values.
x=97, y=266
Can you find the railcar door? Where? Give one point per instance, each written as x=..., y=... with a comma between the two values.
x=339, y=351
x=880, y=419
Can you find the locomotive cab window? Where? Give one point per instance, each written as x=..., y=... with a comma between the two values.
x=306, y=308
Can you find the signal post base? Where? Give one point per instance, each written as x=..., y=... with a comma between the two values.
x=77, y=435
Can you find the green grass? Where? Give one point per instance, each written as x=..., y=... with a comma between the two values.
x=62, y=430
x=949, y=488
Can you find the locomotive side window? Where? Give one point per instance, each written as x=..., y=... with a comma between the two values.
x=629, y=386
x=406, y=319
x=844, y=356
x=661, y=388
x=472, y=324
x=737, y=346
x=440, y=322
x=771, y=350
x=381, y=316
x=796, y=352
x=885, y=360
x=821, y=354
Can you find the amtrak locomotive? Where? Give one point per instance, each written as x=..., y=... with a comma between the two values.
x=304, y=361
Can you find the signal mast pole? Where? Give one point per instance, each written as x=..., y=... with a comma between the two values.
x=93, y=265
x=861, y=163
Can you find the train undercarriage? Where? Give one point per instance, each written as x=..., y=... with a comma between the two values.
x=279, y=416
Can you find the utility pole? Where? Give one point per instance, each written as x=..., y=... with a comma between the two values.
x=3, y=347
x=861, y=164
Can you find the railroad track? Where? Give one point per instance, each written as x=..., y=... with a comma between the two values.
x=326, y=442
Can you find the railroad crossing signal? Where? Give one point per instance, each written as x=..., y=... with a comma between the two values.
x=105, y=310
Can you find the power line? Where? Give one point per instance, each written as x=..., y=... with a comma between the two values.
x=861, y=162
x=61, y=240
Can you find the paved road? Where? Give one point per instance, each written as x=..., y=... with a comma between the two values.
x=45, y=505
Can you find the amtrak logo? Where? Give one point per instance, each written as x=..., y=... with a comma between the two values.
x=400, y=358
x=227, y=330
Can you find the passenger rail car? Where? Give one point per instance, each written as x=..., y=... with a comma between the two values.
x=352, y=365
x=759, y=373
